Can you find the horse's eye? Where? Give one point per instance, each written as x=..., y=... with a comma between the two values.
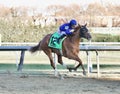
x=84, y=29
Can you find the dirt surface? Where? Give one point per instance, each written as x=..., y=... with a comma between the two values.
x=49, y=84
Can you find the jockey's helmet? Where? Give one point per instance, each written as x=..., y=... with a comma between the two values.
x=73, y=22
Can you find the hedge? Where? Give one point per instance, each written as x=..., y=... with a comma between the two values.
x=16, y=31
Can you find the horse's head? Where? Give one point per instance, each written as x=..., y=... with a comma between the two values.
x=84, y=33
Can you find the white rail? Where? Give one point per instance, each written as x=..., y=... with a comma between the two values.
x=81, y=43
x=17, y=43
x=105, y=30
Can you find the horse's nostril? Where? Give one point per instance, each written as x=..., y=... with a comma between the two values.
x=90, y=36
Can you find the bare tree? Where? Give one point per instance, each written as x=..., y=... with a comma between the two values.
x=4, y=11
x=54, y=9
x=96, y=9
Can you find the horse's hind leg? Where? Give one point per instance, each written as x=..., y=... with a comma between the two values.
x=49, y=54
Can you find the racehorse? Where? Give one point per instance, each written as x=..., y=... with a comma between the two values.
x=70, y=47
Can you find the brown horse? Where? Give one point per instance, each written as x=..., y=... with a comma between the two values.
x=70, y=47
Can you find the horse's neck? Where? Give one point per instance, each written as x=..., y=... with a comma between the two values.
x=76, y=38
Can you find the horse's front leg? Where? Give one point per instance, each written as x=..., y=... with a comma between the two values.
x=64, y=65
x=76, y=58
x=61, y=62
x=80, y=63
x=72, y=69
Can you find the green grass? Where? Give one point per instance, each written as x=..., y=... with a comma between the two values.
x=48, y=66
x=30, y=66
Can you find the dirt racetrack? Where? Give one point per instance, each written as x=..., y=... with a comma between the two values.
x=49, y=84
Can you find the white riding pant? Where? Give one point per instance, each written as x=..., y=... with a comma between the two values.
x=61, y=33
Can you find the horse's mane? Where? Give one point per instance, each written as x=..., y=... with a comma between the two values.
x=77, y=28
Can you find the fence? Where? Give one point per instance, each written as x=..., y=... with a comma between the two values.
x=81, y=43
x=106, y=30
x=83, y=47
x=0, y=39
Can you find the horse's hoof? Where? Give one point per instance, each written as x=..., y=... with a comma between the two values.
x=61, y=77
x=75, y=69
x=84, y=73
x=72, y=69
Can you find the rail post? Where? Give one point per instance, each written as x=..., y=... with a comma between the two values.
x=0, y=39
x=55, y=63
x=20, y=65
x=98, y=65
x=88, y=63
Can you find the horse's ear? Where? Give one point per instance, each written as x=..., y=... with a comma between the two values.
x=79, y=25
x=86, y=24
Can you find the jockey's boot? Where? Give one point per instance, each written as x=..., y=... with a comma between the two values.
x=61, y=37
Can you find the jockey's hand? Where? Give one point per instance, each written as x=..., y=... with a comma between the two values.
x=72, y=30
x=72, y=35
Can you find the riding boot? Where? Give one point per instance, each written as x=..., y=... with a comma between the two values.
x=61, y=37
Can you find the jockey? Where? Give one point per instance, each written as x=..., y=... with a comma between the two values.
x=66, y=29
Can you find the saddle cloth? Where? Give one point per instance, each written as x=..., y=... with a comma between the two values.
x=53, y=41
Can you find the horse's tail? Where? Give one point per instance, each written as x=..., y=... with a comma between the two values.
x=35, y=48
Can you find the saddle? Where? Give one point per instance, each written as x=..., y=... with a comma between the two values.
x=53, y=41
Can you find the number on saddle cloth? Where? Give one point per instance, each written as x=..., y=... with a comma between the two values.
x=53, y=41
